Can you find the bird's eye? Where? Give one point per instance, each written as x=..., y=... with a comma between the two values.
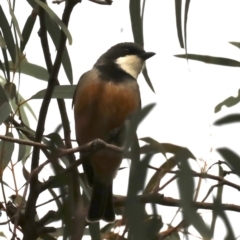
x=126, y=50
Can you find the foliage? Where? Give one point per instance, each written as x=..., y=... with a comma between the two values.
x=66, y=186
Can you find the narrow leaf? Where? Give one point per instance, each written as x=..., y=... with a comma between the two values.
x=6, y=65
x=3, y=96
x=7, y=34
x=178, y=12
x=136, y=21
x=154, y=182
x=187, y=3
x=5, y=110
x=232, y=118
x=147, y=79
x=229, y=102
x=218, y=198
x=6, y=150
x=22, y=148
x=56, y=19
x=165, y=147
x=211, y=60
x=15, y=23
x=27, y=30
x=232, y=158
x=186, y=190
x=30, y=69
x=236, y=44
x=62, y=91
x=219, y=210
x=54, y=33
x=2, y=43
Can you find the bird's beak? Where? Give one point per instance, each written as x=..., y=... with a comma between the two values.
x=144, y=56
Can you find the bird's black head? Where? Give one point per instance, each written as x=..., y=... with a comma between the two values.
x=124, y=57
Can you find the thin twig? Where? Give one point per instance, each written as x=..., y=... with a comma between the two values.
x=156, y=198
x=24, y=142
x=211, y=189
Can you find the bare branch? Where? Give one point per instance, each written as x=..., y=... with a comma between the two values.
x=120, y=201
x=24, y=142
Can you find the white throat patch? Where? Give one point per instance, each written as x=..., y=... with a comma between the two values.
x=131, y=64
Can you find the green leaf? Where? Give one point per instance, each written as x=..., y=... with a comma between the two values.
x=178, y=13
x=62, y=91
x=164, y=148
x=15, y=23
x=135, y=121
x=219, y=210
x=5, y=110
x=232, y=118
x=158, y=175
x=218, y=198
x=7, y=34
x=187, y=3
x=232, y=158
x=3, y=96
x=236, y=44
x=27, y=30
x=53, y=15
x=58, y=142
x=147, y=79
x=6, y=150
x=22, y=148
x=135, y=211
x=30, y=69
x=229, y=102
x=6, y=65
x=186, y=190
x=20, y=111
x=3, y=235
x=54, y=33
x=2, y=43
x=211, y=60
x=3, y=68
x=136, y=21
x=10, y=89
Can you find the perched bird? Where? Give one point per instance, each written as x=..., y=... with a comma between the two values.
x=105, y=97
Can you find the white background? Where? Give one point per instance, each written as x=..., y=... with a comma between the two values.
x=186, y=92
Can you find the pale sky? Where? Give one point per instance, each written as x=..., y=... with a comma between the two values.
x=186, y=92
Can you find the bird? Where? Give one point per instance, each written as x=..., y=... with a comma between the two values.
x=106, y=97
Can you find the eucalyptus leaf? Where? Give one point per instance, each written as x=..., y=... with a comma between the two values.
x=232, y=158
x=5, y=110
x=229, y=102
x=27, y=30
x=6, y=151
x=62, y=92
x=7, y=34
x=30, y=69
x=211, y=60
x=136, y=21
x=186, y=190
x=15, y=23
x=232, y=118
x=178, y=13
x=2, y=42
x=54, y=33
x=56, y=19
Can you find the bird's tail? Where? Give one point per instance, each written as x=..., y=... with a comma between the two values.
x=101, y=204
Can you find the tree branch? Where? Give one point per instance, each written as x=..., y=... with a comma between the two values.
x=120, y=201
